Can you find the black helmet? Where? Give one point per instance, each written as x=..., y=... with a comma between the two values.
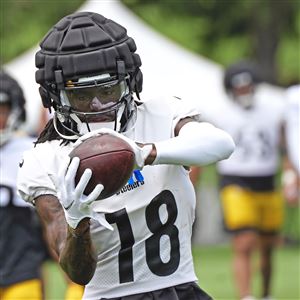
x=11, y=93
x=248, y=68
x=83, y=50
x=240, y=80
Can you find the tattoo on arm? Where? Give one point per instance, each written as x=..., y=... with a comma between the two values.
x=80, y=265
x=73, y=248
x=53, y=221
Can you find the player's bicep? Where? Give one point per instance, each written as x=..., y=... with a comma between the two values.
x=53, y=220
x=181, y=123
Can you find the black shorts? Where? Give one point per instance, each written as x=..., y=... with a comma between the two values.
x=186, y=291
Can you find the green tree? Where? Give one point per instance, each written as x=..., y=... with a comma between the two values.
x=25, y=22
x=227, y=30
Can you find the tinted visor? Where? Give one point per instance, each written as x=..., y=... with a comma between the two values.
x=95, y=98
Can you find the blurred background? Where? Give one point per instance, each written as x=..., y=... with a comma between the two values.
x=184, y=46
x=267, y=31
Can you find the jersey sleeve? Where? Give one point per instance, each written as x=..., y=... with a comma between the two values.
x=33, y=180
x=182, y=109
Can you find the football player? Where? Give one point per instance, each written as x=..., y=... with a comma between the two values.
x=252, y=206
x=135, y=244
x=22, y=250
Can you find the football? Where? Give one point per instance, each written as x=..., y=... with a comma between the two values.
x=111, y=160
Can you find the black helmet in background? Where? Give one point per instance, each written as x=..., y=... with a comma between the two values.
x=11, y=95
x=88, y=71
x=240, y=80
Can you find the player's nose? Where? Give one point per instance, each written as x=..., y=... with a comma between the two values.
x=96, y=104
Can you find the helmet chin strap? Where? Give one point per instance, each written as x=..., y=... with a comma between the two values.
x=94, y=126
x=85, y=127
x=67, y=137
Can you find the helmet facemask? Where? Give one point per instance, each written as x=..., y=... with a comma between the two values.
x=12, y=103
x=13, y=120
x=94, y=102
x=243, y=89
x=240, y=81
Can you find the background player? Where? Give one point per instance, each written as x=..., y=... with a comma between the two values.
x=135, y=244
x=22, y=249
x=252, y=207
x=21, y=232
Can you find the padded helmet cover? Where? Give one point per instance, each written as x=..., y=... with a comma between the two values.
x=86, y=44
x=16, y=99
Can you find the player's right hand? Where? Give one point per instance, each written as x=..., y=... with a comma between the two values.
x=76, y=205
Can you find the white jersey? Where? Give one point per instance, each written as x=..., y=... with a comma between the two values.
x=150, y=246
x=11, y=154
x=292, y=122
x=256, y=133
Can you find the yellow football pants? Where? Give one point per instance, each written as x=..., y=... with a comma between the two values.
x=26, y=290
x=74, y=292
x=244, y=209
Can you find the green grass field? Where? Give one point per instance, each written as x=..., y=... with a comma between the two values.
x=213, y=267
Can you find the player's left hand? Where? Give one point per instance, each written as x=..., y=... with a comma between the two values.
x=141, y=153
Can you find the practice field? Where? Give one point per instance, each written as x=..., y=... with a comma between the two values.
x=213, y=267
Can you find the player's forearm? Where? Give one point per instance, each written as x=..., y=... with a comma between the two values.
x=54, y=224
x=78, y=258
x=197, y=144
x=71, y=247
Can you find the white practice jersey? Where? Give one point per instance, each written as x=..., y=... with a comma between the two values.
x=292, y=119
x=152, y=217
x=256, y=133
x=11, y=154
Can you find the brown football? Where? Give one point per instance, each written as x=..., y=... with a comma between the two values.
x=111, y=160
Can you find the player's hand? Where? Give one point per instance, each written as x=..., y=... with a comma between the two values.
x=290, y=186
x=76, y=205
x=141, y=153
